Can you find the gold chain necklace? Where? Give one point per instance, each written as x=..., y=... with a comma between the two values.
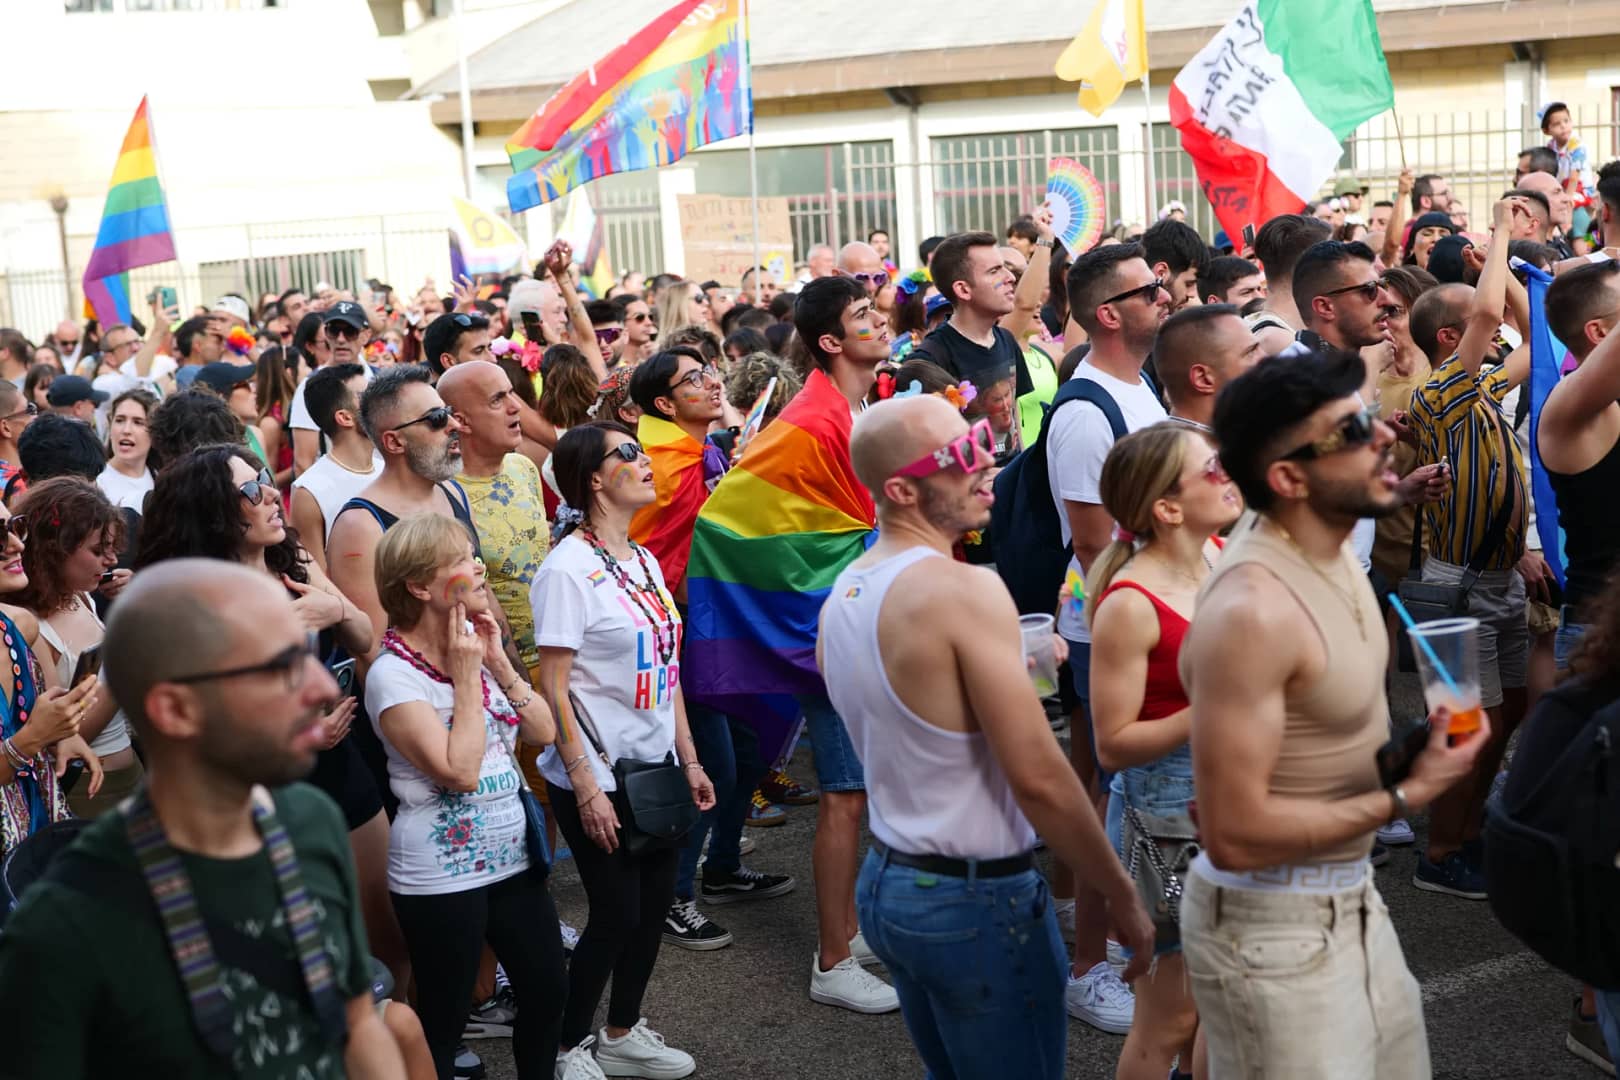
x=1345, y=594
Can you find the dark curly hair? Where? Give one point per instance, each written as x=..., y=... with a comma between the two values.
x=195, y=512
x=1597, y=657
x=187, y=420
x=62, y=512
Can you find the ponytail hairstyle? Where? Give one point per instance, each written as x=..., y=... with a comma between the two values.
x=1142, y=468
x=576, y=458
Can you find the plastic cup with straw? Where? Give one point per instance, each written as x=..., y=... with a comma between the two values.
x=1448, y=663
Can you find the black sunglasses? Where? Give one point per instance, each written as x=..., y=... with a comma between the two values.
x=17, y=526
x=29, y=409
x=1149, y=292
x=254, y=490
x=436, y=418
x=1353, y=431
x=342, y=330
x=1367, y=289
x=291, y=662
x=628, y=452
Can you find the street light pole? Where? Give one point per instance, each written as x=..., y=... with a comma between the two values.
x=59, y=203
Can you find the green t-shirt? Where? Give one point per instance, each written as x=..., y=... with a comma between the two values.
x=88, y=986
x=510, y=513
x=1043, y=376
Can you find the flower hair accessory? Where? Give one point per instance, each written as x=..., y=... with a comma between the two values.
x=239, y=341
x=503, y=345
x=961, y=395
x=914, y=390
x=532, y=352
x=885, y=386
x=1123, y=535
x=911, y=284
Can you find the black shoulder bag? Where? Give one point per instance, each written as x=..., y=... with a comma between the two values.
x=652, y=798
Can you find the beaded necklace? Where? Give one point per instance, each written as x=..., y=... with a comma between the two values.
x=664, y=620
x=396, y=645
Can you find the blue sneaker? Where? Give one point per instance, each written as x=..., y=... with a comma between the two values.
x=1454, y=875
x=762, y=813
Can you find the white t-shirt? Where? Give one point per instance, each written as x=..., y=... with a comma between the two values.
x=332, y=484
x=621, y=683
x=447, y=841
x=125, y=491
x=298, y=417
x=1078, y=439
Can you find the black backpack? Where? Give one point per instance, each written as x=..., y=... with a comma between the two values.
x=1552, y=838
x=1030, y=555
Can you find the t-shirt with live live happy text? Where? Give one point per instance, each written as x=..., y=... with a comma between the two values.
x=619, y=676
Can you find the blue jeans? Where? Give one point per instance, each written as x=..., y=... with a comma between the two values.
x=838, y=768
x=729, y=753
x=1608, y=1014
x=979, y=966
x=1566, y=638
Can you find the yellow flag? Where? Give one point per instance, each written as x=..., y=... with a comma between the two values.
x=1110, y=52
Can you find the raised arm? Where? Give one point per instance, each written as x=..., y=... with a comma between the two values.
x=1397, y=217
x=1024, y=318
x=1490, y=295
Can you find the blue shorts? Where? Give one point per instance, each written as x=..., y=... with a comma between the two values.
x=837, y=766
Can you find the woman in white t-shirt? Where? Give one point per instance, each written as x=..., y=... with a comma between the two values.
x=448, y=704
x=608, y=633
x=127, y=479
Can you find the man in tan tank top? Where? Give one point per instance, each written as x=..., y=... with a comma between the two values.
x=1294, y=964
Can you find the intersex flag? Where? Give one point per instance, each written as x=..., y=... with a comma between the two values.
x=134, y=226
x=679, y=83
x=480, y=242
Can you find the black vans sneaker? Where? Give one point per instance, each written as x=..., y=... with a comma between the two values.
x=687, y=927
x=743, y=884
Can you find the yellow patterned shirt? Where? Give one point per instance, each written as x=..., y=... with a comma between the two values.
x=510, y=514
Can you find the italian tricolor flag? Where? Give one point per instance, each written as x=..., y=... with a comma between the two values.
x=1263, y=107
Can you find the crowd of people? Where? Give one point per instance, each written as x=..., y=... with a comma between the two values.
x=515, y=571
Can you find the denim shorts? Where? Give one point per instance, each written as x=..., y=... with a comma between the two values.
x=1163, y=787
x=837, y=766
x=1566, y=638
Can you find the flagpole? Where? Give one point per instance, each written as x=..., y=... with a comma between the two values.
x=466, y=105
x=1152, y=184
x=753, y=161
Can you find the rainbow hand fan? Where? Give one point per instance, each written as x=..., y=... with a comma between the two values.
x=1076, y=201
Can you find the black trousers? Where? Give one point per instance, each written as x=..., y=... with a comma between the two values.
x=445, y=934
x=629, y=899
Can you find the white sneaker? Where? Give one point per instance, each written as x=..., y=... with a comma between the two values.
x=862, y=952
x=578, y=1064
x=1396, y=833
x=570, y=936
x=1116, y=956
x=1100, y=999
x=1065, y=918
x=642, y=1053
x=745, y=846
x=852, y=987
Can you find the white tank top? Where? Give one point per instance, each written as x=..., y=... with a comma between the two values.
x=115, y=736
x=333, y=485
x=929, y=791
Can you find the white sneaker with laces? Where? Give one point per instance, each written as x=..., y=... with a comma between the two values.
x=570, y=936
x=862, y=952
x=578, y=1064
x=642, y=1053
x=1396, y=833
x=1100, y=999
x=852, y=987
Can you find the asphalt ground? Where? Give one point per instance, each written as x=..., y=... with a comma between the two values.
x=1494, y=1011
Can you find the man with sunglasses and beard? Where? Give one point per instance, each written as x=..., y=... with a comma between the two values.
x=952, y=858
x=336, y=336
x=639, y=330
x=1282, y=926
x=260, y=908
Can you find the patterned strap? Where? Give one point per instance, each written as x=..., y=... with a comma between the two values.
x=189, y=945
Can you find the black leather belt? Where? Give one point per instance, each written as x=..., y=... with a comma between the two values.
x=946, y=866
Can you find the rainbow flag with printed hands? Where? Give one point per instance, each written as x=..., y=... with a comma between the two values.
x=134, y=226
x=679, y=83
x=664, y=527
x=769, y=542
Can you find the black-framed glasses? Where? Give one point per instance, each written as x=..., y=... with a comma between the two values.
x=437, y=419
x=627, y=452
x=29, y=409
x=291, y=662
x=342, y=330
x=17, y=526
x=255, y=490
x=696, y=377
x=1355, y=430
x=1367, y=289
x=1149, y=292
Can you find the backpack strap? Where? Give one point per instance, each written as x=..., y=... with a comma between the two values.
x=1092, y=392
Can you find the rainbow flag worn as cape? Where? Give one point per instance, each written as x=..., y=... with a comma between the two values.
x=768, y=543
x=665, y=527
x=134, y=227
x=680, y=82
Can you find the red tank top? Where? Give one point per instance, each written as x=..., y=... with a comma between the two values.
x=1163, y=694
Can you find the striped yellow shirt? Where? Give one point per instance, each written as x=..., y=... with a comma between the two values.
x=1455, y=417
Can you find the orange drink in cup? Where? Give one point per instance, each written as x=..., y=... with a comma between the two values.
x=1447, y=652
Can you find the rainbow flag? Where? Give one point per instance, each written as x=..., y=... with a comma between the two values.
x=767, y=545
x=680, y=82
x=665, y=527
x=134, y=226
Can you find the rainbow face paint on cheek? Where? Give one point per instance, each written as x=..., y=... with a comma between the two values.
x=863, y=333
x=459, y=585
x=623, y=474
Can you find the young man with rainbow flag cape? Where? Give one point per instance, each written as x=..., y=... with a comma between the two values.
x=765, y=551
x=680, y=399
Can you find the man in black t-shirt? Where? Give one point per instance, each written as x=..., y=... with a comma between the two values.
x=969, y=270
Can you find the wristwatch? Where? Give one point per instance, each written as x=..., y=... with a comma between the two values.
x=1399, y=796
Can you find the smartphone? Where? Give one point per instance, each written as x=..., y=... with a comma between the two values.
x=166, y=297
x=343, y=671
x=1396, y=756
x=70, y=776
x=89, y=664
x=531, y=328
x=1248, y=237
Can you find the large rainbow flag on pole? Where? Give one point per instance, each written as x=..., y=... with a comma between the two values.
x=134, y=226
x=680, y=82
x=768, y=543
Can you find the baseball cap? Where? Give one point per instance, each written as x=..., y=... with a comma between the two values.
x=1349, y=185
x=72, y=389
x=233, y=305
x=934, y=303
x=221, y=377
x=347, y=311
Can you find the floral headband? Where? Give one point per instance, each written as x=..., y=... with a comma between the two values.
x=961, y=395
x=912, y=283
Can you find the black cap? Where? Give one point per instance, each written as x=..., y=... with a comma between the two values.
x=72, y=389
x=221, y=377
x=347, y=311
x=1446, y=258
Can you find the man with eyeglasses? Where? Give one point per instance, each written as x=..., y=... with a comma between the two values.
x=1475, y=537
x=337, y=335
x=861, y=262
x=639, y=330
x=1120, y=303
x=1284, y=666
x=178, y=921
x=16, y=413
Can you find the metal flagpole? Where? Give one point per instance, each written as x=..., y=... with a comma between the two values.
x=466, y=106
x=1152, y=184
x=753, y=162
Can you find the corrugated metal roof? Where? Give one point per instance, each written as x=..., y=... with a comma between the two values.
x=553, y=48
